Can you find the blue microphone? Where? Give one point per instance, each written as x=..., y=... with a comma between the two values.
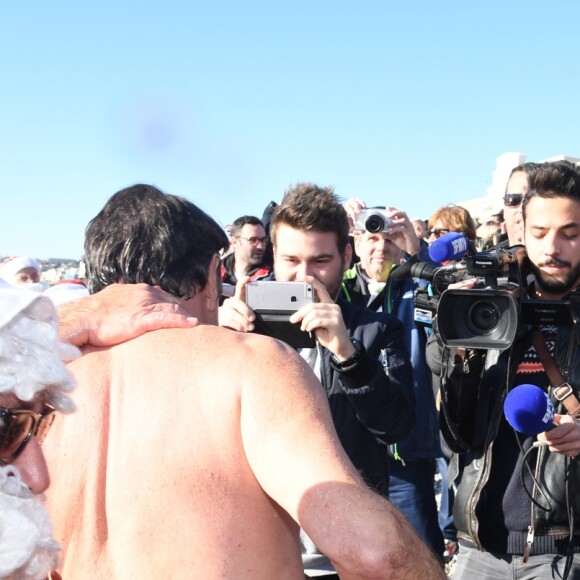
x=451, y=246
x=529, y=410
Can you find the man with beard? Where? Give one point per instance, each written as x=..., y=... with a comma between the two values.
x=517, y=507
x=360, y=356
x=248, y=257
x=189, y=457
x=33, y=383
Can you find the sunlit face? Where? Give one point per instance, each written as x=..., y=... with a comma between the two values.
x=249, y=245
x=298, y=254
x=552, y=227
x=377, y=253
x=513, y=218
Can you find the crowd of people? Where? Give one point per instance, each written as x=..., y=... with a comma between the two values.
x=198, y=448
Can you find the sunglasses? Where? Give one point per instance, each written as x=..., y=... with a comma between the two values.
x=18, y=425
x=438, y=232
x=513, y=199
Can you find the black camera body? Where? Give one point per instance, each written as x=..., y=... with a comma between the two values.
x=490, y=315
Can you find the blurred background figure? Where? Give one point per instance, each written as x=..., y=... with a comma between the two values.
x=420, y=228
x=23, y=271
x=491, y=232
x=33, y=383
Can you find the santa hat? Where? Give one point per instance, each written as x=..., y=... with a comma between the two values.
x=12, y=266
x=32, y=358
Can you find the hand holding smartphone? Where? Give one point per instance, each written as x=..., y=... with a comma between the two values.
x=273, y=303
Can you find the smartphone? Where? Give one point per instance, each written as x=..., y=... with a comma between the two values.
x=273, y=303
x=280, y=297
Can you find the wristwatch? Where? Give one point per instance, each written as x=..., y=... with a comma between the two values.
x=352, y=361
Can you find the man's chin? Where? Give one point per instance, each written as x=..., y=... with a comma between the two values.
x=552, y=285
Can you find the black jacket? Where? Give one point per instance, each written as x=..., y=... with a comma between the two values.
x=373, y=405
x=473, y=392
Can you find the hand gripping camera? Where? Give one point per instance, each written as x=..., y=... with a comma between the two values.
x=373, y=220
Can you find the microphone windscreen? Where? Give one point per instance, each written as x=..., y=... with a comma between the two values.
x=529, y=410
x=451, y=246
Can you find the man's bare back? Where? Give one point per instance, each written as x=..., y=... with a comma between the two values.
x=190, y=451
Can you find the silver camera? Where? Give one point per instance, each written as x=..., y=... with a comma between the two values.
x=373, y=221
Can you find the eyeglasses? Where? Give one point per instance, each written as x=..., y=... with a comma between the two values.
x=255, y=241
x=513, y=199
x=438, y=232
x=18, y=425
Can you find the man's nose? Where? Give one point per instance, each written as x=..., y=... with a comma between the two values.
x=551, y=245
x=32, y=467
x=301, y=271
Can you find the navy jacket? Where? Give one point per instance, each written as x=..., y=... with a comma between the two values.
x=372, y=405
x=397, y=298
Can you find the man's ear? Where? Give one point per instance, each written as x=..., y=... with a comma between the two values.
x=213, y=287
x=347, y=256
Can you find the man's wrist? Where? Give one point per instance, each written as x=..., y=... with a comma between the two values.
x=352, y=361
x=71, y=318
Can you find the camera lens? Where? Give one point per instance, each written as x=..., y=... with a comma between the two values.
x=483, y=317
x=375, y=224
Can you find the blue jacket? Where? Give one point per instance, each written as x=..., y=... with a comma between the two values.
x=397, y=298
x=372, y=405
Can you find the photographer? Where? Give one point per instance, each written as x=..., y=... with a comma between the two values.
x=370, y=283
x=517, y=507
x=360, y=356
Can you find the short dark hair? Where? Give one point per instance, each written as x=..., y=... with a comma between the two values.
x=238, y=224
x=145, y=235
x=528, y=168
x=552, y=179
x=308, y=207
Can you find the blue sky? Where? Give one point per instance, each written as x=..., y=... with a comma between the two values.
x=227, y=103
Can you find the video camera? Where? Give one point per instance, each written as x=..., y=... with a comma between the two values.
x=489, y=315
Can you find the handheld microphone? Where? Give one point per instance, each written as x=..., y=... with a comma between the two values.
x=451, y=246
x=529, y=410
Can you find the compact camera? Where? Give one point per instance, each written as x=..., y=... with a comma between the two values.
x=373, y=220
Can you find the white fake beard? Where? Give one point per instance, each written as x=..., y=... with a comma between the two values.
x=32, y=286
x=27, y=550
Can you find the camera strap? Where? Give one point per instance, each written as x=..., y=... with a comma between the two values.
x=561, y=389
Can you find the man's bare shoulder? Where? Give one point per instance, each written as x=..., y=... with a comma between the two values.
x=214, y=344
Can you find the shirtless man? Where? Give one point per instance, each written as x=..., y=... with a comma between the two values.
x=185, y=459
